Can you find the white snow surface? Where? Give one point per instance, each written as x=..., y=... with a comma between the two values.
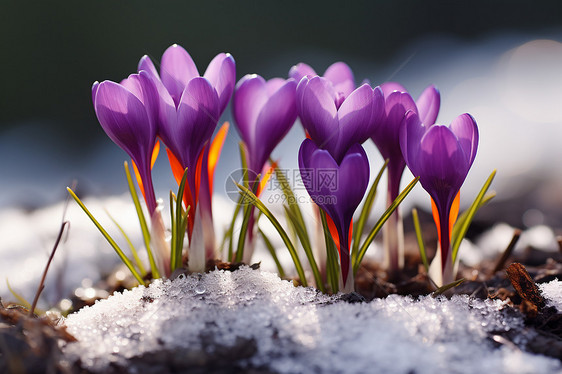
x=298, y=330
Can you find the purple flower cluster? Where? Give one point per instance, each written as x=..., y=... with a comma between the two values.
x=182, y=108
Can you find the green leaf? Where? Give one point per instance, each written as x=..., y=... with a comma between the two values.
x=179, y=229
x=465, y=222
x=291, y=201
x=245, y=223
x=229, y=235
x=307, y=249
x=273, y=253
x=134, y=252
x=381, y=222
x=253, y=199
x=332, y=256
x=446, y=287
x=419, y=237
x=107, y=237
x=142, y=221
x=23, y=302
x=365, y=212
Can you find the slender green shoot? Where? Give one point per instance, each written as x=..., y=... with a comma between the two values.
x=253, y=199
x=292, y=202
x=465, y=223
x=23, y=302
x=332, y=256
x=419, y=238
x=462, y=217
x=134, y=252
x=142, y=221
x=381, y=222
x=244, y=163
x=229, y=234
x=446, y=287
x=300, y=231
x=365, y=212
x=273, y=253
x=179, y=225
x=245, y=223
x=107, y=237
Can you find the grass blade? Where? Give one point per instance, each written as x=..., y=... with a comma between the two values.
x=107, y=237
x=463, y=227
x=130, y=244
x=19, y=298
x=419, y=238
x=271, y=249
x=142, y=221
x=252, y=198
x=307, y=249
x=248, y=210
x=446, y=287
x=365, y=212
x=176, y=255
x=291, y=201
x=229, y=234
x=381, y=222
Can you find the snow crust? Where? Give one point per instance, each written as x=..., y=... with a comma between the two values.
x=298, y=330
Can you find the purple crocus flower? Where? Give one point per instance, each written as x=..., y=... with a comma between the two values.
x=340, y=195
x=339, y=73
x=441, y=156
x=127, y=113
x=190, y=105
x=264, y=112
x=333, y=121
x=397, y=101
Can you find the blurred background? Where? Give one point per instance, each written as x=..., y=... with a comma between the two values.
x=501, y=61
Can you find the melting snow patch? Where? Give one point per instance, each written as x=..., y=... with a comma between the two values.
x=269, y=323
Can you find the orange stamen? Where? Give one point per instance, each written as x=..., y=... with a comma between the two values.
x=453, y=215
x=215, y=152
x=266, y=177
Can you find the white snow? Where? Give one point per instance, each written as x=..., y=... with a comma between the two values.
x=297, y=330
x=553, y=292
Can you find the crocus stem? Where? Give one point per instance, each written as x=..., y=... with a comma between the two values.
x=445, y=247
x=348, y=283
x=150, y=197
x=393, y=230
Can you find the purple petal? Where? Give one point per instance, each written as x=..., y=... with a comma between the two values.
x=249, y=98
x=274, y=122
x=198, y=114
x=353, y=179
x=411, y=133
x=341, y=76
x=301, y=70
x=390, y=87
x=465, y=129
x=355, y=116
x=176, y=70
x=428, y=105
x=317, y=111
x=443, y=164
x=145, y=63
x=166, y=119
x=124, y=119
x=273, y=85
x=94, y=90
x=378, y=109
x=221, y=72
x=396, y=106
